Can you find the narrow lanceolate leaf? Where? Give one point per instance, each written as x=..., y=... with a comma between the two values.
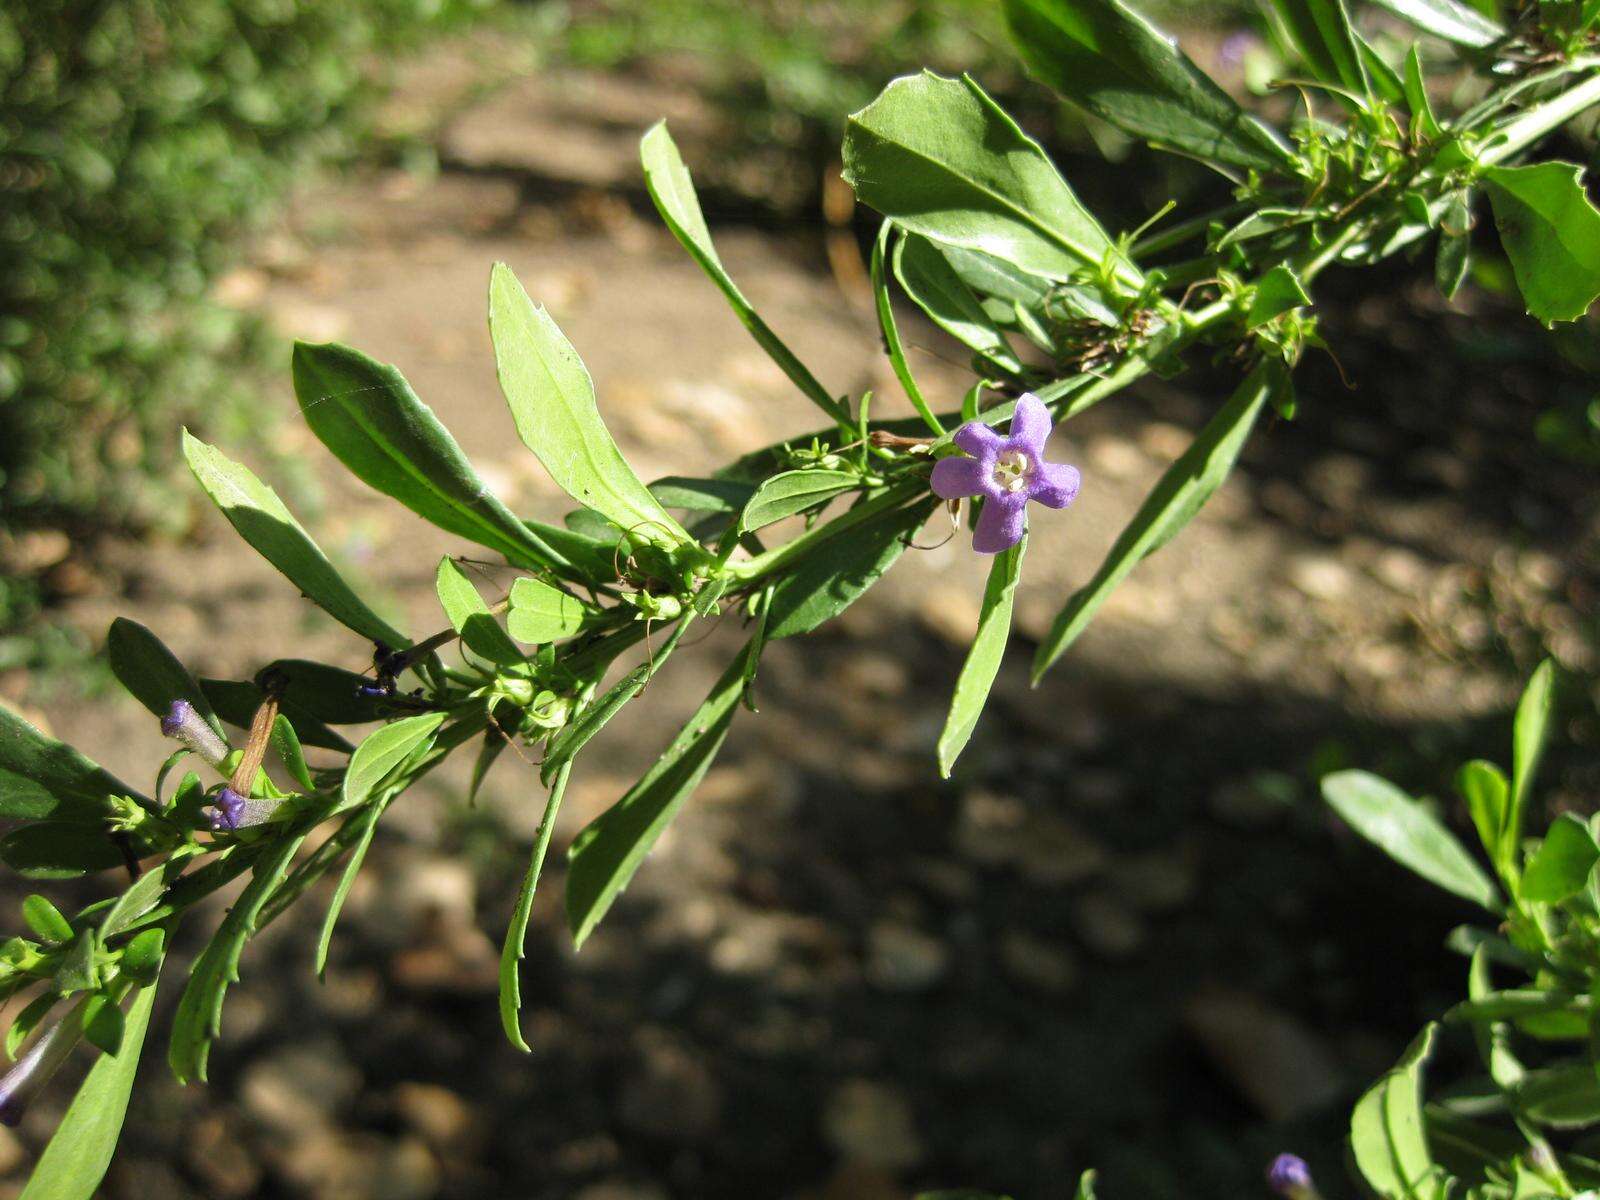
x=670, y=186
x=608, y=851
x=366, y=413
x=941, y=159
x=540, y=613
x=1562, y=865
x=889, y=326
x=255, y=511
x=983, y=659
x=1484, y=788
x=1409, y=833
x=1102, y=55
x=80, y=1150
x=41, y=777
x=198, y=1020
x=1448, y=19
x=791, y=492
x=365, y=826
x=933, y=284
x=553, y=404
x=59, y=850
x=833, y=576
x=1387, y=1138
x=1551, y=232
x=471, y=618
x=383, y=751
x=517, y=933
x=1528, y=733
x=151, y=673
x=1180, y=494
x=1322, y=33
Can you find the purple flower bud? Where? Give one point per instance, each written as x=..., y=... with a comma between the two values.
x=229, y=812
x=1007, y=472
x=1235, y=48
x=374, y=691
x=190, y=728
x=50, y=1049
x=1291, y=1178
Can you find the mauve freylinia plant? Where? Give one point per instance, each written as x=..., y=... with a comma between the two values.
x=991, y=243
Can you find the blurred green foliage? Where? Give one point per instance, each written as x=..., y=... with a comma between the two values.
x=137, y=139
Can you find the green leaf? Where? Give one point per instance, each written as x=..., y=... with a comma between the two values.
x=471, y=618
x=1484, y=788
x=1322, y=33
x=1415, y=86
x=79, y=969
x=540, y=613
x=1104, y=56
x=605, y=855
x=80, y=1150
x=29, y=1019
x=941, y=159
x=1455, y=245
x=1518, y=1002
x=198, y=1020
x=1086, y=1183
x=286, y=743
x=553, y=404
x=382, y=753
x=41, y=777
x=1562, y=865
x=883, y=302
x=366, y=413
x=365, y=826
x=236, y=701
x=103, y=1023
x=1179, y=495
x=1408, y=833
x=702, y=495
x=1278, y=291
x=1528, y=733
x=511, y=950
x=1563, y=1097
x=329, y=694
x=1551, y=233
x=262, y=520
x=1448, y=19
x=142, y=956
x=59, y=850
x=669, y=185
x=791, y=492
x=833, y=576
x=983, y=659
x=45, y=919
x=1387, y=1136
x=933, y=284
x=151, y=673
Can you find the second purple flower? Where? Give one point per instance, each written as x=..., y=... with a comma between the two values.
x=1007, y=472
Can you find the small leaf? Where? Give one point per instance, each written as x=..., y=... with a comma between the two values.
x=103, y=1023
x=553, y=404
x=26, y=1021
x=941, y=159
x=1528, y=734
x=1387, y=1135
x=471, y=618
x=944, y=296
x=365, y=826
x=1563, y=1097
x=45, y=919
x=328, y=694
x=605, y=855
x=41, y=777
x=1197, y=473
x=983, y=659
x=1322, y=33
x=383, y=753
x=1278, y=291
x=1454, y=255
x=1561, y=867
x=835, y=575
x=287, y=745
x=1408, y=833
x=151, y=673
x=1109, y=59
x=1484, y=789
x=59, y=850
x=702, y=495
x=791, y=492
x=262, y=520
x=1448, y=19
x=540, y=613
x=1551, y=233
x=889, y=327
x=80, y=1150
x=1415, y=86
x=366, y=413
x=669, y=185
x=142, y=956
x=511, y=950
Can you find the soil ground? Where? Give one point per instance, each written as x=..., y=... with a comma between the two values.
x=1124, y=936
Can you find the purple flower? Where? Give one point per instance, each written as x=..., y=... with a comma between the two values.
x=229, y=811
x=50, y=1049
x=1007, y=472
x=190, y=728
x=1291, y=1178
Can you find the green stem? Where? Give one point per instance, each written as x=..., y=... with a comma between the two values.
x=763, y=565
x=1522, y=131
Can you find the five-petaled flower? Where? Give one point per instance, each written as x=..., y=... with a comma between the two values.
x=1006, y=471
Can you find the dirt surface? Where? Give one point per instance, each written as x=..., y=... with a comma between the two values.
x=1125, y=935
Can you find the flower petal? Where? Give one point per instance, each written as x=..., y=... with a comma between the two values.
x=977, y=439
x=954, y=478
x=1030, y=424
x=1004, y=521
x=1055, y=485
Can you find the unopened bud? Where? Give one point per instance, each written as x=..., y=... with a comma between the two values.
x=1291, y=1178
x=190, y=728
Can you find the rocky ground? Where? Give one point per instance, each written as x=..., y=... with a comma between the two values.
x=1125, y=935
